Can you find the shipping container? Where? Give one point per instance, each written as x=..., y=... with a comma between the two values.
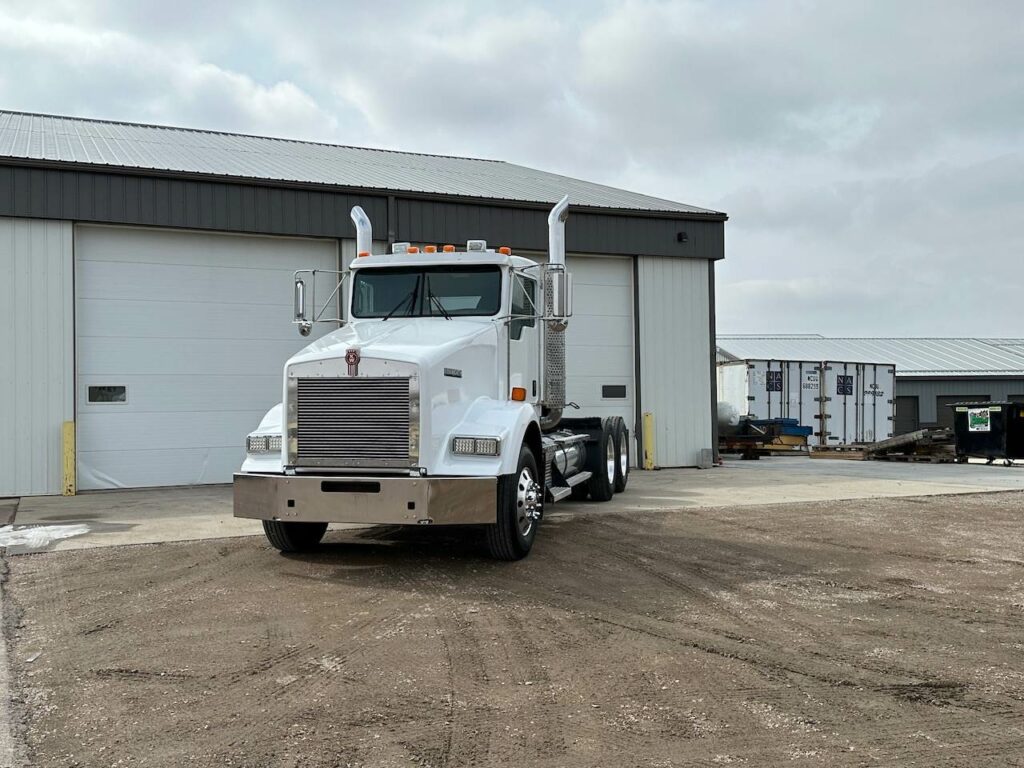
x=859, y=402
x=843, y=402
x=771, y=389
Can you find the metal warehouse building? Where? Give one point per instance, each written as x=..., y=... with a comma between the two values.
x=145, y=297
x=930, y=373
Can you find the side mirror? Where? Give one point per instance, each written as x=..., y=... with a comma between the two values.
x=559, y=289
x=304, y=318
x=300, y=307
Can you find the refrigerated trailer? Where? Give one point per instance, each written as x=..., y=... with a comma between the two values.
x=440, y=400
x=842, y=402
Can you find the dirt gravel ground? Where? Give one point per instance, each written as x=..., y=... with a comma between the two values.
x=878, y=632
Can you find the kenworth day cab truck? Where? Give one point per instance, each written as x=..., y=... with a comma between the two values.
x=438, y=402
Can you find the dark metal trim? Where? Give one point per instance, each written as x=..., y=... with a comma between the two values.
x=641, y=213
x=101, y=197
x=392, y=221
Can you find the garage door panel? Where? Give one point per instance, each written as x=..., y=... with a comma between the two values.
x=181, y=394
x=197, y=327
x=140, y=469
x=615, y=301
x=584, y=329
x=594, y=361
x=598, y=271
x=136, y=245
x=109, y=356
x=214, y=285
x=168, y=320
x=146, y=430
x=589, y=389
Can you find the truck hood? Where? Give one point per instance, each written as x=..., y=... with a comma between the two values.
x=419, y=340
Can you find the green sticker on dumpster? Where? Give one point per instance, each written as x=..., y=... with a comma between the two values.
x=979, y=420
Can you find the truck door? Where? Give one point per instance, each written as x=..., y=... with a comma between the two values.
x=524, y=337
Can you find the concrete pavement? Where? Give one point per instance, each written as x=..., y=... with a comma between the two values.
x=114, y=518
x=108, y=519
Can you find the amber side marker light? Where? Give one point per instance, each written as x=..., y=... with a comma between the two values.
x=430, y=249
x=505, y=250
x=519, y=393
x=449, y=249
x=363, y=253
x=413, y=249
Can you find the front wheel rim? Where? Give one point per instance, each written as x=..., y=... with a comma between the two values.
x=527, y=501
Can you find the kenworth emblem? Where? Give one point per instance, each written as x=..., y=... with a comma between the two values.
x=352, y=358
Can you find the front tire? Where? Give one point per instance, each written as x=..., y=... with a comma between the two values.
x=520, y=503
x=293, y=537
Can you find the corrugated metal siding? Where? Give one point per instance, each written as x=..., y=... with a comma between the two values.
x=131, y=145
x=110, y=198
x=36, y=353
x=928, y=391
x=675, y=350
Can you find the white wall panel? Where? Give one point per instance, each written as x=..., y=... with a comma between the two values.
x=675, y=356
x=36, y=353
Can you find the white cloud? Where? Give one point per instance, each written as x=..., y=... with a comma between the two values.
x=49, y=63
x=870, y=155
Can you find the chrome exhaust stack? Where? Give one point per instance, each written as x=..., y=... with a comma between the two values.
x=557, y=311
x=364, y=231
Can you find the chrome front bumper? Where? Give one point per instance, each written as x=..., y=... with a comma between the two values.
x=369, y=500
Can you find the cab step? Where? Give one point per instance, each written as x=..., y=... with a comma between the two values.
x=561, y=491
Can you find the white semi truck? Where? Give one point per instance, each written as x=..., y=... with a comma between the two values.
x=438, y=401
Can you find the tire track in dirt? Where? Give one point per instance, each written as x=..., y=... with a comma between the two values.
x=684, y=640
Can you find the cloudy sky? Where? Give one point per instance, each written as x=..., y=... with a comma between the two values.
x=870, y=155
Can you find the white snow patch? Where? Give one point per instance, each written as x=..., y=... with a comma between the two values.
x=39, y=535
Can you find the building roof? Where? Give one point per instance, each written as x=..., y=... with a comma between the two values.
x=912, y=357
x=106, y=143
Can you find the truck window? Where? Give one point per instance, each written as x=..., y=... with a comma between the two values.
x=524, y=302
x=468, y=291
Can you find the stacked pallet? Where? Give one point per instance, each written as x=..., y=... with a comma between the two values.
x=852, y=452
x=933, y=446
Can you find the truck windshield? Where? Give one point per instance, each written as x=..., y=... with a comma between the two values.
x=427, y=291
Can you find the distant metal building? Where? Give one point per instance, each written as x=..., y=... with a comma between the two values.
x=931, y=373
x=145, y=300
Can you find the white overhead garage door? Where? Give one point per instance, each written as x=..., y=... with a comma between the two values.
x=181, y=341
x=599, y=341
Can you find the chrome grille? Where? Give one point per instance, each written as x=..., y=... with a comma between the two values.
x=353, y=422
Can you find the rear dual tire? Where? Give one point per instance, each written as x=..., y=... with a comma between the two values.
x=609, y=462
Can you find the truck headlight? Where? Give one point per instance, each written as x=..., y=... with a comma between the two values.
x=257, y=444
x=476, y=446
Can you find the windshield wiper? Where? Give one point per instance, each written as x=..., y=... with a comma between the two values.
x=436, y=301
x=409, y=297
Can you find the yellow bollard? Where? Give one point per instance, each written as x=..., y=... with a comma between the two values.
x=68, y=444
x=648, y=440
